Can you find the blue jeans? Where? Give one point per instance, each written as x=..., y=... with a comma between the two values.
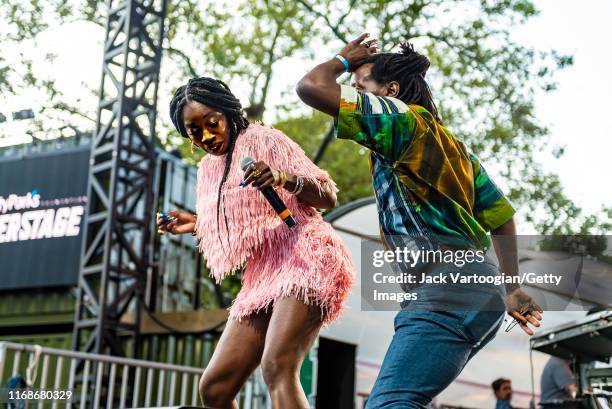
x=430, y=347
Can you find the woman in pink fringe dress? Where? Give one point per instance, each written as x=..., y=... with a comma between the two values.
x=294, y=280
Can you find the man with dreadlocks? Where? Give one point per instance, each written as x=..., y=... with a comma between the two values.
x=294, y=280
x=431, y=193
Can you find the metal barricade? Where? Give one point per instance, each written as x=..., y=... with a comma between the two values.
x=112, y=382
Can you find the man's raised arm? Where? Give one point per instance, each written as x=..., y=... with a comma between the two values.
x=318, y=88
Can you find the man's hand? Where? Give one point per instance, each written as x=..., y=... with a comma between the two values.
x=319, y=88
x=358, y=50
x=523, y=309
x=519, y=304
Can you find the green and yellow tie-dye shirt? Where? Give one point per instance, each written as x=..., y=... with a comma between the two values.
x=426, y=182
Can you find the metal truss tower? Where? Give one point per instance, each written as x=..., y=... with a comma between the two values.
x=116, y=252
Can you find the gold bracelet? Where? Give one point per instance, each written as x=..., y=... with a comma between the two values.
x=282, y=180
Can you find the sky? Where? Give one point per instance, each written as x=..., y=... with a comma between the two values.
x=575, y=113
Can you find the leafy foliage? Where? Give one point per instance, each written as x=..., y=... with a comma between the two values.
x=483, y=82
x=346, y=162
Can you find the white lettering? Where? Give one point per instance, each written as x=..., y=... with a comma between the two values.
x=61, y=221
x=37, y=216
x=46, y=227
x=4, y=218
x=30, y=200
x=12, y=233
x=26, y=227
x=74, y=222
x=41, y=224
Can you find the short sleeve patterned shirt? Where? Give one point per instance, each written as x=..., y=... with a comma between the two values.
x=425, y=181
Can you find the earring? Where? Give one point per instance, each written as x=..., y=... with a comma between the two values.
x=192, y=146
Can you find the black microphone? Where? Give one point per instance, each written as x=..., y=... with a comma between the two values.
x=272, y=197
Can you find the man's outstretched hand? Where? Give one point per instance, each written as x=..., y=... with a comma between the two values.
x=523, y=309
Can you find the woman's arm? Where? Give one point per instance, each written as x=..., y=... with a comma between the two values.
x=182, y=223
x=312, y=194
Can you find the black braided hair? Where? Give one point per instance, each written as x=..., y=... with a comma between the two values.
x=215, y=94
x=408, y=69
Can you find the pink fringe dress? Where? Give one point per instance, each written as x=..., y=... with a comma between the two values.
x=308, y=262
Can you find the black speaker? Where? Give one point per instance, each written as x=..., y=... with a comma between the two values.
x=335, y=375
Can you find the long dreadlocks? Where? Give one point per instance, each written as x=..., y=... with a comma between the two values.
x=215, y=94
x=408, y=69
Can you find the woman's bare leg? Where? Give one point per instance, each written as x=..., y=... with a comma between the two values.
x=236, y=356
x=292, y=329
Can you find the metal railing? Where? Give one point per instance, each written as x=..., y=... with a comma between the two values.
x=112, y=382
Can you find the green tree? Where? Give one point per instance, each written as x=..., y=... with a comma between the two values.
x=347, y=164
x=483, y=81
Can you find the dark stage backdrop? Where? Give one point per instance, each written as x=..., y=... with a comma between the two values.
x=42, y=204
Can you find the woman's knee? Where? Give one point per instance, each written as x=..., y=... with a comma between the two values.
x=277, y=368
x=214, y=391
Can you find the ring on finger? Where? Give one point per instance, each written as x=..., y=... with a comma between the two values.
x=257, y=173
